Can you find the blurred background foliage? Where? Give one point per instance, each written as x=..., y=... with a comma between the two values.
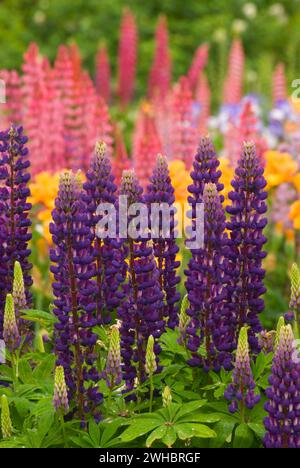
x=270, y=32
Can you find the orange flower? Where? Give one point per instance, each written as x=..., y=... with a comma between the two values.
x=280, y=167
x=226, y=177
x=294, y=214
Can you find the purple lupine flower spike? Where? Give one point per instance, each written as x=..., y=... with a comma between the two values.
x=241, y=391
x=161, y=191
x=206, y=287
x=74, y=291
x=283, y=405
x=14, y=208
x=245, y=248
x=99, y=188
x=140, y=312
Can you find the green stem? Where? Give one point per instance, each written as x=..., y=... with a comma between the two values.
x=151, y=394
x=62, y=422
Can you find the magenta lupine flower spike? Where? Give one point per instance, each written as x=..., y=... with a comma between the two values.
x=244, y=251
x=198, y=63
x=241, y=391
x=282, y=423
x=103, y=73
x=161, y=191
x=279, y=85
x=233, y=84
x=14, y=208
x=60, y=397
x=161, y=70
x=206, y=286
x=11, y=334
x=127, y=57
x=75, y=292
x=113, y=371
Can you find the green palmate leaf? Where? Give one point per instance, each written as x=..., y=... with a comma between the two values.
x=223, y=430
x=258, y=429
x=170, y=437
x=44, y=369
x=94, y=432
x=202, y=417
x=189, y=407
x=40, y=316
x=22, y=406
x=157, y=434
x=25, y=372
x=190, y=430
x=139, y=427
x=110, y=428
x=243, y=436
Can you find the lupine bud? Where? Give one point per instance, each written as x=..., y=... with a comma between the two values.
x=184, y=319
x=10, y=328
x=6, y=424
x=282, y=423
x=18, y=287
x=60, y=398
x=166, y=396
x=150, y=365
x=295, y=287
x=113, y=372
x=242, y=387
x=280, y=324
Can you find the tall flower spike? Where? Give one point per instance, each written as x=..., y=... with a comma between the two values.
x=75, y=292
x=6, y=424
x=60, y=397
x=233, y=84
x=282, y=423
x=206, y=287
x=146, y=147
x=150, y=365
x=103, y=73
x=141, y=312
x=127, y=57
x=113, y=371
x=198, y=63
x=161, y=70
x=161, y=191
x=279, y=85
x=14, y=208
x=184, y=125
x=10, y=328
x=244, y=251
x=99, y=188
x=241, y=390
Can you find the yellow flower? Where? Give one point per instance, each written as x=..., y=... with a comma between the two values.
x=226, y=177
x=296, y=181
x=44, y=189
x=181, y=179
x=294, y=214
x=280, y=167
